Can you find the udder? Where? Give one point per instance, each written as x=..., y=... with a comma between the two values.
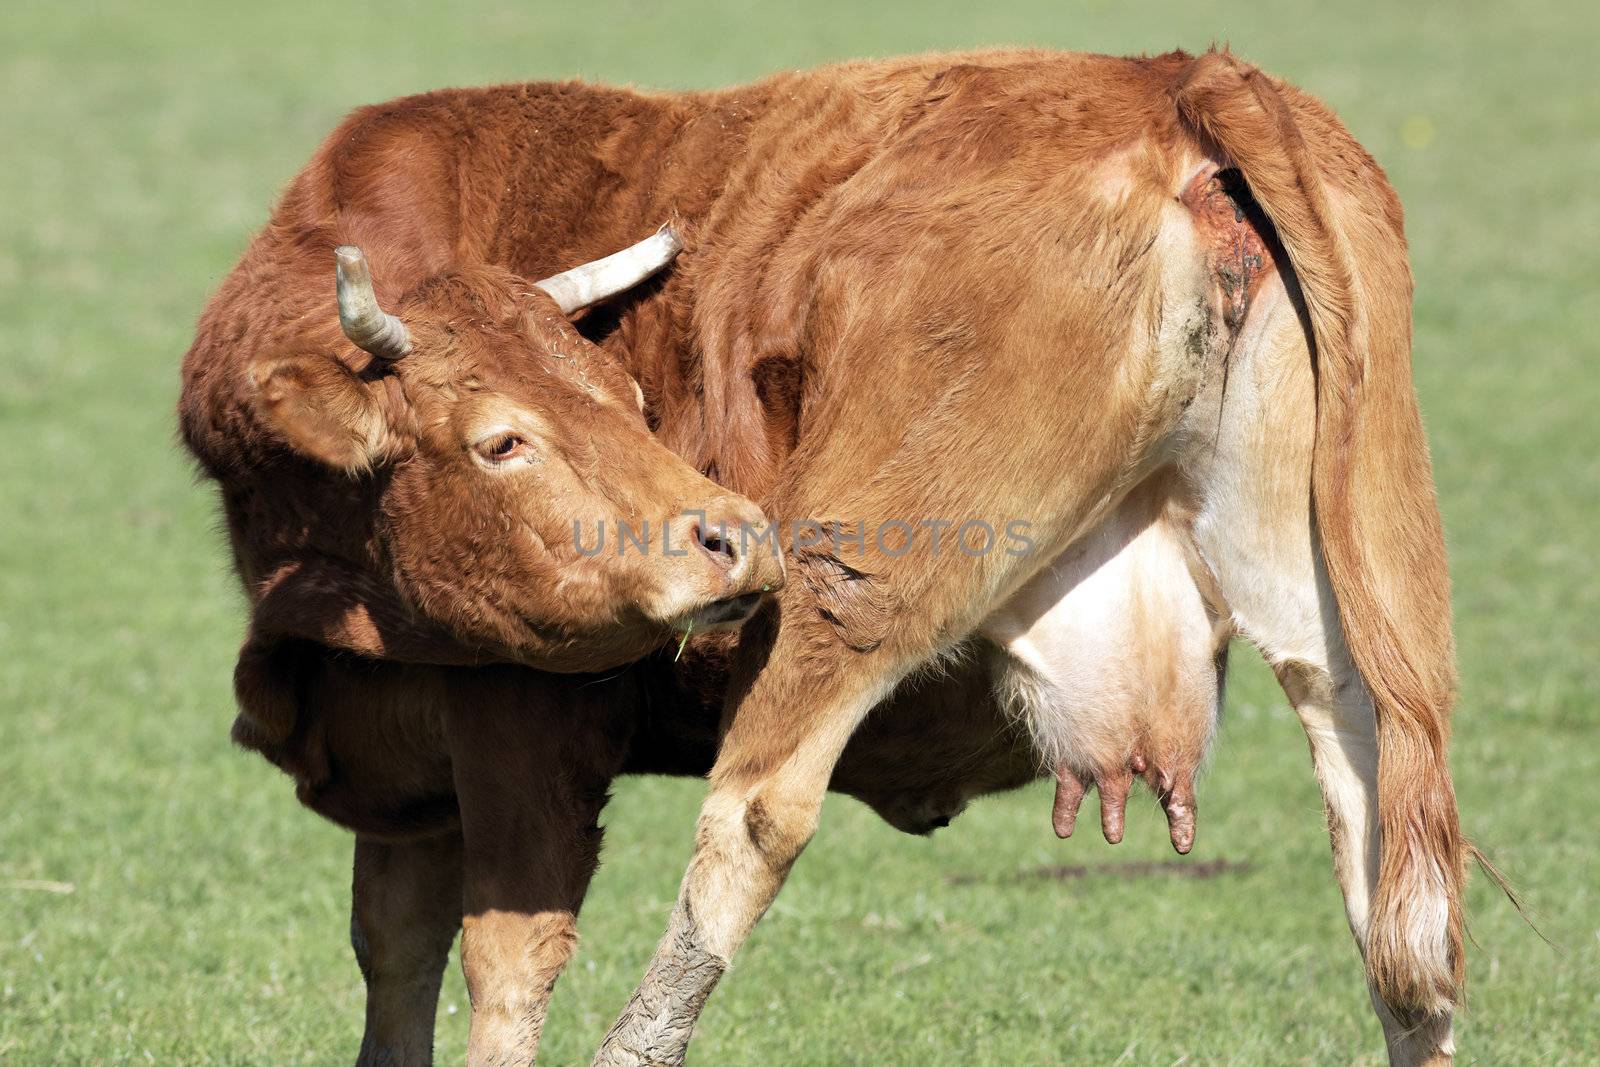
x=1113, y=660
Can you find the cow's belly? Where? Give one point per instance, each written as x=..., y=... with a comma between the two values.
x=1110, y=655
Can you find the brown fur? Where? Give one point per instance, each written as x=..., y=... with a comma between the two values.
x=887, y=263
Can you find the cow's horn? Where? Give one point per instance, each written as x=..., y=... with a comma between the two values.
x=364, y=322
x=590, y=283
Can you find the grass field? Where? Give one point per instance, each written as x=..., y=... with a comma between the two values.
x=164, y=900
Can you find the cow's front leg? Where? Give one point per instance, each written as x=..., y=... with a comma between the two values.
x=511, y=959
x=405, y=910
x=532, y=764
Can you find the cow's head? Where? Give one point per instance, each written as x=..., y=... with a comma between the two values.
x=522, y=500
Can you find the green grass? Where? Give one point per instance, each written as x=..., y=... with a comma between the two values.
x=142, y=142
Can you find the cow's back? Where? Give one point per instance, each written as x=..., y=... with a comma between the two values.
x=859, y=175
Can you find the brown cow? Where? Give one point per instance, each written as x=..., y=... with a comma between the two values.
x=888, y=263
x=409, y=485
x=1037, y=287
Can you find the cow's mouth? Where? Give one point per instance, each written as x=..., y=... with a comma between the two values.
x=730, y=612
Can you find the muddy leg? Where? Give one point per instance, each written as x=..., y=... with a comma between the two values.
x=766, y=792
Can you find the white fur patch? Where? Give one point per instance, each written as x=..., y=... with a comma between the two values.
x=1110, y=644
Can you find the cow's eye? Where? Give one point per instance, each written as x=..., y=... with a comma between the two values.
x=497, y=448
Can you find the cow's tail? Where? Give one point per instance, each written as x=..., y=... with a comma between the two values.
x=1373, y=496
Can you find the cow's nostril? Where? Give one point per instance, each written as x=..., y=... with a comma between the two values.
x=716, y=541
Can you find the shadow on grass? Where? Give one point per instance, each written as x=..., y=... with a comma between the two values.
x=1136, y=869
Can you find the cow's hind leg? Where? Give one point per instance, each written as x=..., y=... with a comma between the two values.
x=1333, y=705
x=846, y=631
x=405, y=911
x=766, y=794
x=1250, y=464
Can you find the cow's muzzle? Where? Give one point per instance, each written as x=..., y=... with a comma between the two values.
x=730, y=611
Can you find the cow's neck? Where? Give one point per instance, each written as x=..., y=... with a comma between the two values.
x=591, y=170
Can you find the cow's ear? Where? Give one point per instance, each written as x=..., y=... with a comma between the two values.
x=268, y=684
x=324, y=411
